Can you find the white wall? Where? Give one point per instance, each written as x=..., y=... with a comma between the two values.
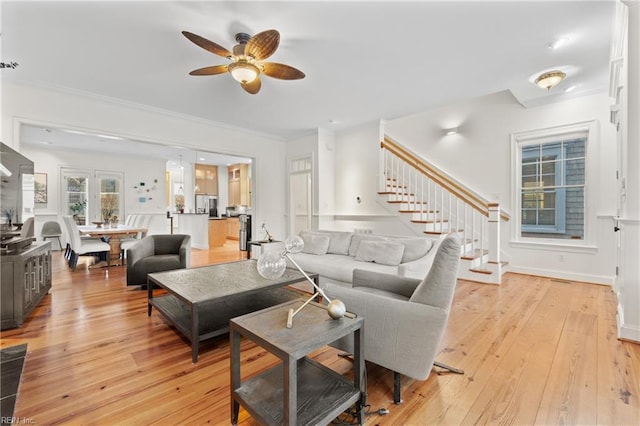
x=479, y=156
x=26, y=104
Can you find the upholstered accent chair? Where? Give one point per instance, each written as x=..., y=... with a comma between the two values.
x=157, y=253
x=405, y=318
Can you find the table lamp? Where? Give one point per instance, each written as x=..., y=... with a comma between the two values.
x=271, y=265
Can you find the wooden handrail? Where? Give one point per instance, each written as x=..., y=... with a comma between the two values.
x=474, y=200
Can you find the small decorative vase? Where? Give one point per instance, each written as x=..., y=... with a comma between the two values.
x=114, y=224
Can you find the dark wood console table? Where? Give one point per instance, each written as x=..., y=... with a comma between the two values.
x=298, y=391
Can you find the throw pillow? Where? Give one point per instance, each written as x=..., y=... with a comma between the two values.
x=383, y=252
x=339, y=240
x=415, y=248
x=357, y=238
x=314, y=243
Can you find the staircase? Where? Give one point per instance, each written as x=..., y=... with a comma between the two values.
x=435, y=204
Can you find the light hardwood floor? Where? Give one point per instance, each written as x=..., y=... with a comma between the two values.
x=534, y=351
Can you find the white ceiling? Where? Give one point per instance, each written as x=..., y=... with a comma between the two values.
x=363, y=60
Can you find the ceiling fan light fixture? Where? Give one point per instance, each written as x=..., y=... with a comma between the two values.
x=243, y=72
x=549, y=79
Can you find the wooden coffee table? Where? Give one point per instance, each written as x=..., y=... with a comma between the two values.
x=200, y=301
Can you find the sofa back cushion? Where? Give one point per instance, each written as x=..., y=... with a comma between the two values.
x=338, y=240
x=383, y=252
x=356, y=239
x=315, y=243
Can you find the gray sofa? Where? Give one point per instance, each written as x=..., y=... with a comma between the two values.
x=157, y=253
x=335, y=254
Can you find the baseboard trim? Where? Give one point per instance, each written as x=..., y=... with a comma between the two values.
x=626, y=332
x=569, y=276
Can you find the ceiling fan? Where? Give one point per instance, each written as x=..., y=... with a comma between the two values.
x=247, y=59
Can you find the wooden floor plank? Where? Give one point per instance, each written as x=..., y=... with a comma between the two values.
x=512, y=394
x=533, y=350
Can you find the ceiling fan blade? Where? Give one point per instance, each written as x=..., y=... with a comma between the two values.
x=252, y=87
x=213, y=70
x=281, y=71
x=263, y=45
x=208, y=44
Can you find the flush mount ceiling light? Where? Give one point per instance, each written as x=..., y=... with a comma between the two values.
x=451, y=131
x=549, y=79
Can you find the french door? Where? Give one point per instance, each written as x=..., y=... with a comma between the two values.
x=91, y=195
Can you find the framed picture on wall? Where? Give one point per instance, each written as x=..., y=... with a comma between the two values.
x=40, y=188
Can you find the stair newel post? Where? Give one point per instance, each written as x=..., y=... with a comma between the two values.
x=494, y=234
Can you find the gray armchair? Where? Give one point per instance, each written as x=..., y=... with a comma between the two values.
x=405, y=318
x=157, y=253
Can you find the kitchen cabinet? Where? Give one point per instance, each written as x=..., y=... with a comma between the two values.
x=239, y=185
x=206, y=179
x=26, y=279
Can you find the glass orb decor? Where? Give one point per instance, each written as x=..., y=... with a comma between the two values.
x=271, y=265
x=336, y=309
x=294, y=244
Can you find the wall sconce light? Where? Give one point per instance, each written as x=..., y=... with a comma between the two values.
x=451, y=131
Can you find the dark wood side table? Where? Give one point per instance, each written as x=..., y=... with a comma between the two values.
x=299, y=391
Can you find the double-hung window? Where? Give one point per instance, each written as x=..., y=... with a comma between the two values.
x=550, y=187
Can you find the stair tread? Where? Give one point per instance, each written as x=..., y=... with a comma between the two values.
x=405, y=202
x=470, y=255
x=481, y=271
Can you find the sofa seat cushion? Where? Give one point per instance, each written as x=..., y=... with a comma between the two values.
x=159, y=263
x=336, y=266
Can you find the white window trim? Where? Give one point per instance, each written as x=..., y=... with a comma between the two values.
x=588, y=243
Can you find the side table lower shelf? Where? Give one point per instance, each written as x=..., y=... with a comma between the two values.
x=322, y=394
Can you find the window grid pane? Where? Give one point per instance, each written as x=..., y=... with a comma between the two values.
x=552, y=189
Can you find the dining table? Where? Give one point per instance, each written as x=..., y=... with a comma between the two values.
x=113, y=235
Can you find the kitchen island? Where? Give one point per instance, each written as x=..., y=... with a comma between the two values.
x=217, y=231
x=194, y=224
